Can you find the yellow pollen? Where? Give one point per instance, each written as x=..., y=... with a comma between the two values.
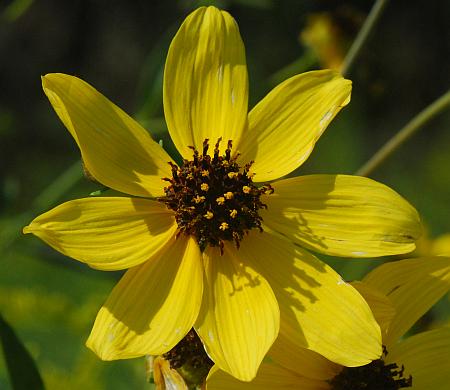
x=220, y=200
x=229, y=195
x=209, y=215
x=233, y=213
x=223, y=226
x=205, y=173
x=204, y=187
x=246, y=189
x=199, y=199
x=232, y=175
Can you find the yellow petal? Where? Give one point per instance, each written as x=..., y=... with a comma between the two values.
x=152, y=307
x=166, y=377
x=116, y=150
x=106, y=233
x=425, y=356
x=342, y=215
x=319, y=311
x=382, y=308
x=441, y=245
x=302, y=361
x=270, y=376
x=239, y=319
x=413, y=286
x=285, y=125
x=205, y=81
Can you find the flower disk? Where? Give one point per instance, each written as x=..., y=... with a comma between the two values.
x=213, y=199
x=374, y=376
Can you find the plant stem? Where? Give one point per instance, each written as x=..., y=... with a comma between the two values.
x=407, y=131
x=64, y=182
x=362, y=36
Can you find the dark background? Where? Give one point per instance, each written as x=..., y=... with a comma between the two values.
x=120, y=47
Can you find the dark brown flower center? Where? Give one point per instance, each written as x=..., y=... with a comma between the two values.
x=373, y=376
x=213, y=198
x=190, y=359
x=190, y=351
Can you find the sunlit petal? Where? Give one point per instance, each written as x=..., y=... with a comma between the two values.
x=116, y=150
x=205, y=81
x=106, y=233
x=342, y=215
x=319, y=311
x=285, y=125
x=426, y=357
x=413, y=286
x=152, y=307
x=239, y=319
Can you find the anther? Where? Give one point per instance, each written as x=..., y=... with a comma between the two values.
x=229, y=195
x=198, y=199
x=223, y=226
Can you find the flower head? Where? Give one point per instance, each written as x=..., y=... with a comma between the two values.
x=222, y=193
x=398, y=293
x=197, y=256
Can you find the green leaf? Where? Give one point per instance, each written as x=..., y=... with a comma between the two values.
x=23, y=372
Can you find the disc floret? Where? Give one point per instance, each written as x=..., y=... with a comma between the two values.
x=213, y=198
x=376, y=375
x=189, y=358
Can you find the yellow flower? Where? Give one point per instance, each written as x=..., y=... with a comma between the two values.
x=324, y=36
x=441, y=245
x=166, y=377
x=399, y=293
x=185, y=269
x=429, y=246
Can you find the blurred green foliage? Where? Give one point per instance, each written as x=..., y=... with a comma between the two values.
x=120, y=48
x=17, y=358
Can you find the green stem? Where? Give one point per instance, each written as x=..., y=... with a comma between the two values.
x=59, y=187
x=405, y=133
x=362, y=36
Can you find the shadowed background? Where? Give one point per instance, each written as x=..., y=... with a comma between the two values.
x=119, y=47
